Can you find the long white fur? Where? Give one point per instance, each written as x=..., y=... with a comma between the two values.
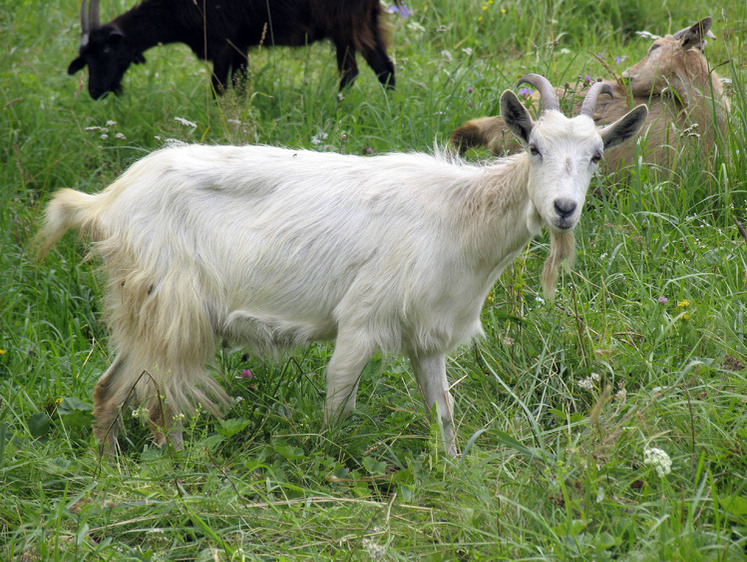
x=271, y=247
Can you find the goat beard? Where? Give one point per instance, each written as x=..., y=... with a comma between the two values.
x=562, y=247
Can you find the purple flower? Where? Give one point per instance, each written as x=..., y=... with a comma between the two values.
x=470, y=90
x=402, y=10
x=368, y=150
x=525, y=92
x=247, y=374
x=618, y=60
x=663, y=300
x=589, y=79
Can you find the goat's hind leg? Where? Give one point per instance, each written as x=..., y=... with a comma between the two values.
x=430, y=372
x=378, y=59
x=108, y=400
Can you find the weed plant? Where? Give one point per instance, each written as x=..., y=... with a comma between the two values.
x=558, y=408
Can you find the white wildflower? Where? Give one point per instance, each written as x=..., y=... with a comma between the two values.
x=141, y=412
x=620, y=395
x=447, y=55
x=589, y=382
x=319, y=138
x=120, y=136
x=415, y=26
x=375, y=551
x=586, y=384
x=661, y=461
x=110, y=123
x=104, y=136
x=467, y=51
x=185, y=122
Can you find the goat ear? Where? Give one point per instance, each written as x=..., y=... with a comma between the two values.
x=695, y=35
x=516, y=116
x=77, y=64
x=625, y=127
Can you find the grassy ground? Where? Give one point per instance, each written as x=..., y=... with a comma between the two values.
x=552, y=462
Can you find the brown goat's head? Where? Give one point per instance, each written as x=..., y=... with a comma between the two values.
x=675, y=62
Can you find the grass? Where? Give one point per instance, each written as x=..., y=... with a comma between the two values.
x=644, y=346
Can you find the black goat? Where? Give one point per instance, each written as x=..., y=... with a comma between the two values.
x=222, y=31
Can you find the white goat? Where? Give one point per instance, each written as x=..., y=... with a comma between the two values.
x=272, y=247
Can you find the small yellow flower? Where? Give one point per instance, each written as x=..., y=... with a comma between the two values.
x=685, y=317
x=59, y=400
x=504, y=11
x=2, y=352
x=683, y=303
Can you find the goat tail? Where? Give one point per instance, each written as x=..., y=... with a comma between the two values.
x=68, y=209
x=562, y=247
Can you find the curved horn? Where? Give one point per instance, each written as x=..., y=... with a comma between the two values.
x=590, y=101
x=85, y=26
x=93, y=14
x=547, y=92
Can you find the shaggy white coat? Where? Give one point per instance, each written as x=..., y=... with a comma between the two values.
x=272, y=247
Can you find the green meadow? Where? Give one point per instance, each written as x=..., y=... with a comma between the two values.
x=558, y=408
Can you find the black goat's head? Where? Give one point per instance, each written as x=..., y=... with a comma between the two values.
x=104, y=49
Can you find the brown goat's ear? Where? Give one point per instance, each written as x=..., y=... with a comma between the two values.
x=516, y=116
x=625, y=127
x=695, y=36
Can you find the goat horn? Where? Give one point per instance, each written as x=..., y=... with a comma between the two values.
x=590, y=101
x=547, y=92
x=93, y=13
x=85, y=26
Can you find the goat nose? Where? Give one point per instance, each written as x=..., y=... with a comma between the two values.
x=565, y=207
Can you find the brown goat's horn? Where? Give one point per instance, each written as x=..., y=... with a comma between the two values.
x=590, y=101
x=547, y=92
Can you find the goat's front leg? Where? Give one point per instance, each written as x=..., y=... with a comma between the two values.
x=430, y=372
x=352, y=352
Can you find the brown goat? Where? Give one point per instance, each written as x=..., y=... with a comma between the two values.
x=685, y=99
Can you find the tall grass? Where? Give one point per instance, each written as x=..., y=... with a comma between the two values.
x=644, y=346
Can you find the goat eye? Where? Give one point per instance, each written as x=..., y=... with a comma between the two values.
x=533, y=150
x=597, y=157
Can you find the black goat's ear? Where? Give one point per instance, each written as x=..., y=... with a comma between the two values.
x=138, y=58
x=516, y=116
x=77, y=64
x=115, y=35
